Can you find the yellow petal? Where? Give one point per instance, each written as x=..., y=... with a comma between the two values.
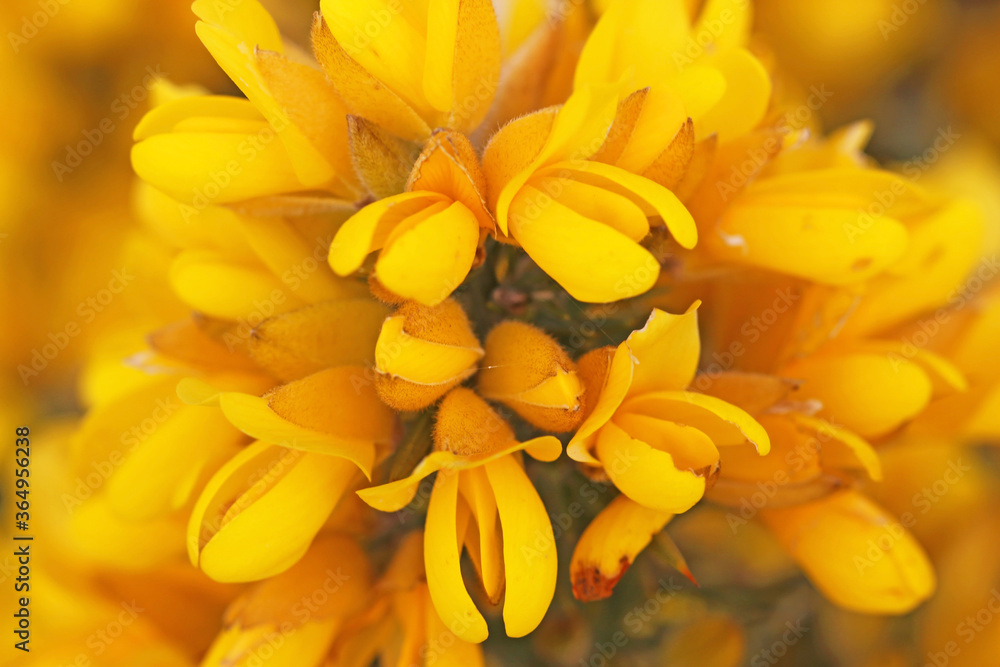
x=840, y=447
x=729, y=22
x=830, y=246
x=610, y=544
x=368, y=229
x=841, y=188
x=476, y=448
x=450, y=651
x=279, y=599
x=945, y=377
x=475, y=488
x=394, y=496
x=249, y=19
x=665, y=351
x=230, y=289
x=207, y=168
x=430, y=260
x=449, y=165
x=333, y=333
x=869, y=394
x=855, y=553
x=259, y=512
x=337, y=401
x=297, y=262
x=512, y=149
x=165, y=118
x=746, y=98
x=647, y=475
x=253, y=416
x=363, y=93
x=634, y=38
x=233, y=38
x=162, y=468
x=312, y=106
x=592, y=201
x=652, y=197
x=594, y=262
x=577, y=132
x=442, y=561
x=529, y=547
x=944, y=249
x=463, y=59
x=422, y=352
x=725, y=424
x=690, y=448
x=607, y=383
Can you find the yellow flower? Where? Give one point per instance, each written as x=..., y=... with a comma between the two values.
x=529, y=372
x=294, y=617
x=429, y=235
x=656, y=441
x=810, y=457
x=801, y=485
x=411, y=67
x=400, y=624
x=580, y=220
x=287, y=136
x=259, y=512
x=482, y=498
x=858, y=555
x=693, y=68
x=422, y=352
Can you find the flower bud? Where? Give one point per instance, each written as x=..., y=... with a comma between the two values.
x=526, y=370
x=422, y=352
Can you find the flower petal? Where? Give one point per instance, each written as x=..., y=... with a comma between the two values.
x=431, y=259
x=305, y=341
x=607, y=383
x=442, y=562
x=610, y=544
x=725, y=424
x=647, y=475
x=364, y=94
x=594, y=262
x=368, y=229
x=652, y=197
x=239, y=528
x=529, y=547
x=665, y=351
x=859, y=556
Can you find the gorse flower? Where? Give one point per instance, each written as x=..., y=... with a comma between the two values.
x=453, y=230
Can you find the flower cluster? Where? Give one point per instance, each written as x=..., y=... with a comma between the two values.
x=443, y=240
